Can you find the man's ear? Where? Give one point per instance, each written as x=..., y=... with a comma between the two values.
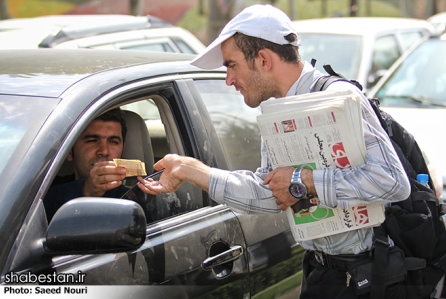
x=265, y=59
x=70, y=156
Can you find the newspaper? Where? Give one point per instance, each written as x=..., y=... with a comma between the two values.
x=315, y=131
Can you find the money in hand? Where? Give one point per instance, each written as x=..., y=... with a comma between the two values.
x=133, y=167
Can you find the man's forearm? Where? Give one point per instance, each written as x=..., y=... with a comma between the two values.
x=193, y=171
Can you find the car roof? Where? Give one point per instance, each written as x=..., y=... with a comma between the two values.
x=49, y=72
x=61, y=21
x=359, y=25
x=48, y=31
x=439, y=17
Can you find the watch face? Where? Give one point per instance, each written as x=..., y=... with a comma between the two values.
x=298, y=190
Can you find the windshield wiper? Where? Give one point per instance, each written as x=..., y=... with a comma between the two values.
x=419, y=99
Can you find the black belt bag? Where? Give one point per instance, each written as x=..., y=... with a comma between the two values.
x=395, y=270
x=359, y=268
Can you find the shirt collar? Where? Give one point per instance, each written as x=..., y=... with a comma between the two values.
x=307, y=69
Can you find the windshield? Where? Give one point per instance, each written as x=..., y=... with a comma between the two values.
x=20, y=120
x=420, y=81
x=332, y=49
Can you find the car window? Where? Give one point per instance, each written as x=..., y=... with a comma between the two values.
x=163, y=47
x=330, y=49
x=235, y=123
x=147, y=141
x=409, y=38
x=158, y=45
x=184, y=47
x=188, y=197
x=385, y=52
x=419, y=80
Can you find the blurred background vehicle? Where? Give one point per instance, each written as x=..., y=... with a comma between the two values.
x=439, y=21
x=359, y=48
x=97, y=32
x=414, y=93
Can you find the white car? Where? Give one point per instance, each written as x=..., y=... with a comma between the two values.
x=359, y=48
x=97, y=32
x=439, y=21
x=414, y=93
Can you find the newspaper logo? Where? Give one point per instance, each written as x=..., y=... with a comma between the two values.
x=339, y=156
x=361, y=215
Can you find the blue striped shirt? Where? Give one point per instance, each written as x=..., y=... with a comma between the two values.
x=380, y=179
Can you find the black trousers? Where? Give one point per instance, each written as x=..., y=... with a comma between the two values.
x=320, y=282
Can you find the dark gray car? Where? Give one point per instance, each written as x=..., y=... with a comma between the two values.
x=178, y=245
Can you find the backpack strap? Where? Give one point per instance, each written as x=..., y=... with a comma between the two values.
x=381, y=248
x=323, y=82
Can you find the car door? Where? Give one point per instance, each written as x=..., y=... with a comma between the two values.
x=191, y=246
x=226, y=136
x=274, y=257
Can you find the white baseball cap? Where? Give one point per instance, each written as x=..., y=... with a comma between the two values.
x=262, y=21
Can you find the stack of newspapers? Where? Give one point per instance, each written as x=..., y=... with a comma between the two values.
x=315, y=131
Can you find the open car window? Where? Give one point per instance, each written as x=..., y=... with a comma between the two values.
x=148, y=140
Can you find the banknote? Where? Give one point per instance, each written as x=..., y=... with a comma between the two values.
x=133, y=167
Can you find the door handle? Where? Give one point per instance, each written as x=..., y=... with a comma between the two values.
x=226, y=256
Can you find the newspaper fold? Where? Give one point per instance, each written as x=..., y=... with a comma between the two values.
x=133, y=167
x=315, y=131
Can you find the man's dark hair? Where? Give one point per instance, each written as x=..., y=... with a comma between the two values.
x=115, y=115
x=250, y=46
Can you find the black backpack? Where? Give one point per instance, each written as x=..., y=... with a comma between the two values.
x=414, y=224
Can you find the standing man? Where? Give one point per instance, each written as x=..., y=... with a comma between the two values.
x=259, y=47
x=95, y=173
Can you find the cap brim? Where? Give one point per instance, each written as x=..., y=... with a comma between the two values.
x=212, y=56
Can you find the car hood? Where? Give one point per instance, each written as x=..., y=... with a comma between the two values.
x=426, y=126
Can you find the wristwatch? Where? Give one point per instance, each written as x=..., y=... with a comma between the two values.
x=297, y=188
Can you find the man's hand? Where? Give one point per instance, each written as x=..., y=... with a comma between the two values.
x=104, y=176
x=278, y=181
x=167, y=182
x=177, y=170
x=304, y=206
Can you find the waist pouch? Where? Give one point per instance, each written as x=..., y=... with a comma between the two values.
x=361, y=271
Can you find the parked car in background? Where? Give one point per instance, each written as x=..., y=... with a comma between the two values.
x=414, y=93
x=181, y=244
x=439, y=21
x=359, y=48
x=97, y=32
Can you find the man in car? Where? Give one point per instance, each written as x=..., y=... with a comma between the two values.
x=95, y=174
x=259, y=47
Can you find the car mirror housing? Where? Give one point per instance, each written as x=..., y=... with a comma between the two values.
x=96, y=225
x=374, y=77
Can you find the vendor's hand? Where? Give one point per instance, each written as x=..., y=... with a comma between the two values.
x=303, y=206
x=168, y=181
x=278, y=181
x=104, y=176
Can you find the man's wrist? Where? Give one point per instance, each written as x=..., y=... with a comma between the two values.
x=307, y=180
x=193, y=171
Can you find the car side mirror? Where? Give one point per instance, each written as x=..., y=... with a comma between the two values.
x=374, y=78
x=96, y=225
